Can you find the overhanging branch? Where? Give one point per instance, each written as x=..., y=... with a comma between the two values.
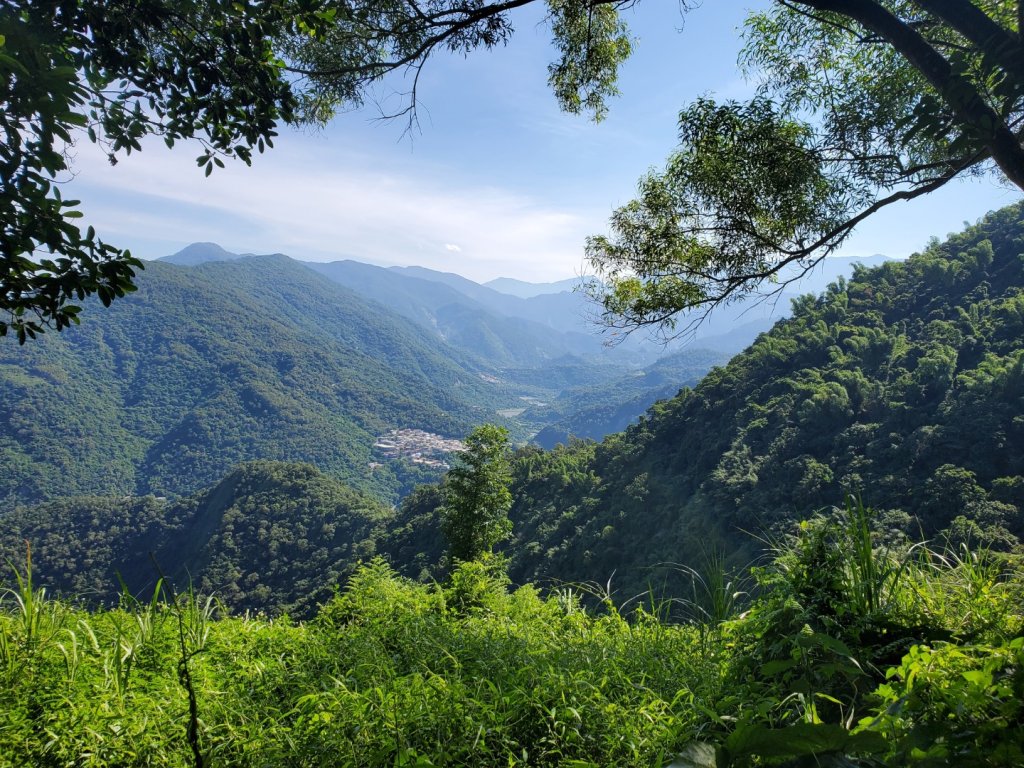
x=971, y=110
x=991, y=39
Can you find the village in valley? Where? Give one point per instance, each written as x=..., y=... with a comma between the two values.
x=417, y=446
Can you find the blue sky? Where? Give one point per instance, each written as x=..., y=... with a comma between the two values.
x=496, y=182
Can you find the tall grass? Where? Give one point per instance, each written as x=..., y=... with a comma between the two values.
x=39, y=619
x=476, y=673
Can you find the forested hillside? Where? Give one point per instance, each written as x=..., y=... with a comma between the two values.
x=271, y=536
x=904, y=385
x=219, y=359
x=848, y=645
x=481, y=325
x=204, y=367
x=591, y=412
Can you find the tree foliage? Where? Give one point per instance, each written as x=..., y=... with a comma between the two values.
x=119, y=72
x=474, y=516
x=861, y=103
x=270, y=536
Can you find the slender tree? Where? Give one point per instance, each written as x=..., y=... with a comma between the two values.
x=474, y=515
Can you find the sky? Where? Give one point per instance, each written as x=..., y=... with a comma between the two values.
x=495, y=181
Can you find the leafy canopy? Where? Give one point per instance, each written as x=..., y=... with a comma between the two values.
x=860, y=104
x=120, y=71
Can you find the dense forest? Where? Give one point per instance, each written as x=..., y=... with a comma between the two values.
x=902, y=386
x=271, y=536
x=866, y=455
x=256, y=358
x=209, y=366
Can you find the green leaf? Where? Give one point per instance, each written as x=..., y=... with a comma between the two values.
x=800, y=740
x=979, y=677
x=773, y=668
x=696, y=754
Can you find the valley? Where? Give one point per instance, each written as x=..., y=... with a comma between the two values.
x=300, y=443
x=870, y=389
x=489, y=423
x=237, y=359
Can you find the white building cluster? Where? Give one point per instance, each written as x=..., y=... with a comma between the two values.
x=418, y=446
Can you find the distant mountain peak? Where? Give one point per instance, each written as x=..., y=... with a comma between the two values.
x=525, y=290
x=199, y=253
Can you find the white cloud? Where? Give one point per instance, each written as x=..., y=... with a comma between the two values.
x=315, y=202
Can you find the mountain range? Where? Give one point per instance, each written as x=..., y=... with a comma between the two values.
x=510, y=321
x=229, y=359
x=903, y=386
x=207, y=366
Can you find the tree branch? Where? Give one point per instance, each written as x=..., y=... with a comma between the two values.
x=967, y=104
x=732, y=285
x=971, y=22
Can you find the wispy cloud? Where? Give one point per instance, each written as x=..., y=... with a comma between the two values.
x=320, y=205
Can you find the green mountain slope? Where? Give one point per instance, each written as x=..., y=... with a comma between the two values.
x=270, y=536
x=208, y=366
x=591, y=412
x=904, y=385
x=460, y=320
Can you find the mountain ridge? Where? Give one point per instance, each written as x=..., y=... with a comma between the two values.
x=904, y=385
x=256, y=357
x=527, y=290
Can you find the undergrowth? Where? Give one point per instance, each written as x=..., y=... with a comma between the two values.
x=846, y=653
